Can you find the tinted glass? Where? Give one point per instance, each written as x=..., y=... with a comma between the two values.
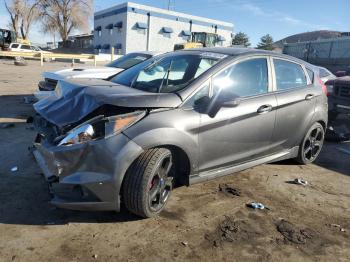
x=324, y=73
x=289, y=75
x=25, y=47
x=129, y=60
x=247, y=78
x=14, y=46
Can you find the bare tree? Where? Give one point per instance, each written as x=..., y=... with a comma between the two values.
x=63, y=16
x=14, y=10
x=23, y=13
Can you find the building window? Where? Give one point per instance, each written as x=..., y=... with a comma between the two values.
x=186, y=35
x=119, y=26
x=167, y=31
x=110, y=28
x=141, y=28
x=98, y=29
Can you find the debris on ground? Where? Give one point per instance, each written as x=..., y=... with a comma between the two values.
x=337, y=133
x=19, y=61
x=14, y=169
x=6, y=125
x=95, y=256
x=344, y=150
x=294, y=234
x=231, y=230
x=337, y=226
x=184, y=243
x=300, y=181
x=229, y=190
x=255, y=205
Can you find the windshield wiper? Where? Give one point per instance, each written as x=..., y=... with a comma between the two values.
x=167, y=78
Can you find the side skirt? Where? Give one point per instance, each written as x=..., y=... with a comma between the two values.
x=291, y=153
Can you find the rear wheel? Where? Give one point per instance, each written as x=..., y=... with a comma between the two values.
x=148, y=182
x=311, y=145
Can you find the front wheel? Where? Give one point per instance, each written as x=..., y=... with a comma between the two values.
x=148, y=182
x=311, y=145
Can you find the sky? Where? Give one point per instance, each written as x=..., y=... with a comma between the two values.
x=279, y=18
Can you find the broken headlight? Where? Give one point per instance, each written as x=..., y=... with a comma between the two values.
x=78, y=135
x=116, y=124
x=99, y=127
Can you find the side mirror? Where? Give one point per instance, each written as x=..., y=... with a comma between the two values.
x=211, y=106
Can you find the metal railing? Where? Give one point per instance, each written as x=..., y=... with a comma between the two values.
x=43, y=56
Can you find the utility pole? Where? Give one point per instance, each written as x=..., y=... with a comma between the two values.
x=171, y=4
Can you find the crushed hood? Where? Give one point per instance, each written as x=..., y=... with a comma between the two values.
x=75, y=99
x=83, y=72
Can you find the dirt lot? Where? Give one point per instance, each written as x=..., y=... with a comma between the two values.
x=201, y=223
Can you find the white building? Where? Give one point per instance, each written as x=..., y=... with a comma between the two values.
x=130, y=27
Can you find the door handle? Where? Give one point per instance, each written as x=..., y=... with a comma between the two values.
x=309, y=96
x=264, y=109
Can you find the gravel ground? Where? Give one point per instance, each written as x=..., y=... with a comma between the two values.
x=204, y=222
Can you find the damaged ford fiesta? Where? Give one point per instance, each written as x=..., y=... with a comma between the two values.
x=180, y=118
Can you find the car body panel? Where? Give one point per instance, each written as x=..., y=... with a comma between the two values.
x=76, y=99
x=100, y=72
x=234, y=139
x=221, y=140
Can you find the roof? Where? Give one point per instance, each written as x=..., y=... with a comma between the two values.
x=238, y=51
x=233, y=51
x=163, y=11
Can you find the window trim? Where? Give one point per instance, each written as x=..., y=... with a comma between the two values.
x=243, y=59
x=208, y=81
x=275, y=90
x=202, y=85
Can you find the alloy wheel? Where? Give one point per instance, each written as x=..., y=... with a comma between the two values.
x=313, y=143
x=161, y=184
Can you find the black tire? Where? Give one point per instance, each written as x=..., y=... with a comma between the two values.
x=148, y=182
x=311, y=145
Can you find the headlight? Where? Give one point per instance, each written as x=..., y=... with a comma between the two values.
x=78, y=135
x=116, y=124
x=99, y=127
x=329, y=89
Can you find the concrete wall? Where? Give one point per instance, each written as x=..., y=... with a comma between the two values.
x=134, y=39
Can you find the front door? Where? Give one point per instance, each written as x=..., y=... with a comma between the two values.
x=241, y=133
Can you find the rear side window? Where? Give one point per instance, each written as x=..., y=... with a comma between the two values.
x=25, y=47
x=246, y=78
x=311, y=74
x=14, y=46
x=324, y=73
x=288, y=75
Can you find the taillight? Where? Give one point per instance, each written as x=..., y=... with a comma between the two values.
x=324, y=88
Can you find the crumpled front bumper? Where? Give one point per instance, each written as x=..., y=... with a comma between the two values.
x=87, y=176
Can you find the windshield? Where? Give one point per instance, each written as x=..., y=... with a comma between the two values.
x=167, y=74
x=208, y=40
x=129, y=60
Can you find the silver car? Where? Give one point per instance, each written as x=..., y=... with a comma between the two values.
x=186, y=117
x=48, y=85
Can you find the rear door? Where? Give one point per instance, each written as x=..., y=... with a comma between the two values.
x=244, y=132
x=296, y=99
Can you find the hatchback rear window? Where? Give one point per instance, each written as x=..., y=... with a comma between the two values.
x=289, y=75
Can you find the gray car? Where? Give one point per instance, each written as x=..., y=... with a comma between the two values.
x=178, y=119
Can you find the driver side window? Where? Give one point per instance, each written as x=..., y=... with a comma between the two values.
x=245, y=79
